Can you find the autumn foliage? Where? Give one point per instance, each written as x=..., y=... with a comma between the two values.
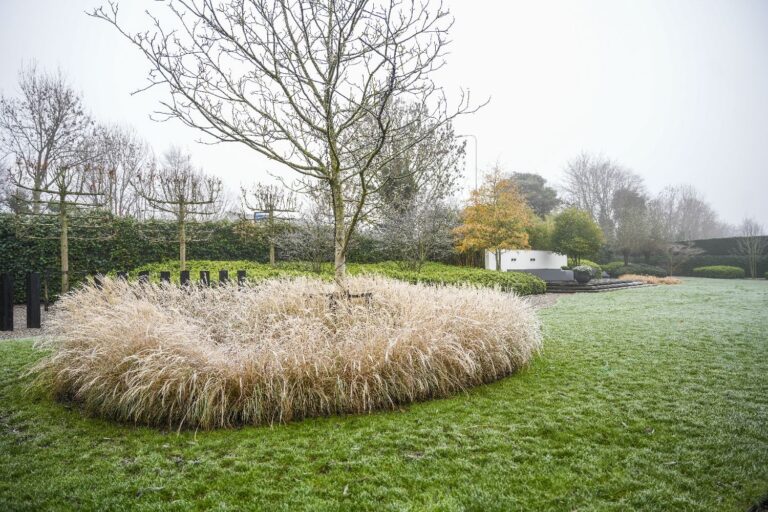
x=495, y=219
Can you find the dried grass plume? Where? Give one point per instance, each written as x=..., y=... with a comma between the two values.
x=278, y=350
x=650, y=279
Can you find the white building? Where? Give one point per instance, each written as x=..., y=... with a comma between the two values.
x=526, y=260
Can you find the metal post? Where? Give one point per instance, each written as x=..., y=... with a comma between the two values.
x=33, y=300
x=184, y=278
x=205, y=278
x=223, y=277
x=97, y=280
x=241, y=277
x=123, y=276
x=165, y=277
x=144, y=277
x=6, y=301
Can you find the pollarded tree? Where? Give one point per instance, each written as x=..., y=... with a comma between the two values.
x=576, y=234
x=274, y=203
x=124, y=155
x=496, y=218
x=179, y=191
x=310, y=84
x=42, y=129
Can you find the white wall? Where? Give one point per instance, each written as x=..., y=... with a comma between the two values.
x=524, y=260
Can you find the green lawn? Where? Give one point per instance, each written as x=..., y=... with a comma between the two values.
x=646, y=399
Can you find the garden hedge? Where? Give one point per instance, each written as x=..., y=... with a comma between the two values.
x=720, y=272
x=431, y=273
x=617, y=268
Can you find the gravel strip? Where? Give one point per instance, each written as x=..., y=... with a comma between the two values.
x=20, y=330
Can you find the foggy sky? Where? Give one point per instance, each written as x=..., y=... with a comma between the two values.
x=677, y=91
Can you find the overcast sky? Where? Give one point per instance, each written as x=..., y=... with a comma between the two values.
x=675, y=90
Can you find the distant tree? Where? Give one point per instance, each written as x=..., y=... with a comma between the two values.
x=495, y=219
x=124, y=156
x=591, y=183
x=310, y=238
x=41, y=131
x=631, y=222
x=275, y=204
x=576, y=234
x=680, y=213
x=533, y=187
x=752, y=244
x=540, y=233
x=179, y=191
x=420, y=232
x=676, y=253
x=311, y=85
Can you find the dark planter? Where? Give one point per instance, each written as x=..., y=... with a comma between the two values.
x=582, y=276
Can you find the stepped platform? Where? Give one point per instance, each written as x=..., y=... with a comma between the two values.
x=594, y=286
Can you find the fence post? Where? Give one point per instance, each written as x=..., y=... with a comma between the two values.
x=223, y=277
x=165, y=277
x=184, y=278
x=33, y=300
x=123, y=276
x=241, y=277
x=144, y=277
x=6, y=301
x=97, y=280
x=205, y=278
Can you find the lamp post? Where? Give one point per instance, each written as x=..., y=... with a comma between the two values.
x=474, y=137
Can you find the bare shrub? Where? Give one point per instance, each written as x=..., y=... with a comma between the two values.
x=277, y=351
x=649, y=279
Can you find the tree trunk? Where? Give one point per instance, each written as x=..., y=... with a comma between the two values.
x=339, y=240
x=64, y=247
x=271, y=234
x=498, y=260
x=626, y=258
x=182, y=239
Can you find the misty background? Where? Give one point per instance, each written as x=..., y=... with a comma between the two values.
x=674, y=91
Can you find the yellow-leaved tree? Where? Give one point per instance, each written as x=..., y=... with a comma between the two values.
x=495, y=219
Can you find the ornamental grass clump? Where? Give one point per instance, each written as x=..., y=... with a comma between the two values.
x=277, y=351
x=649, y=279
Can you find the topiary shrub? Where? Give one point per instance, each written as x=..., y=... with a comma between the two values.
x=720, y=272
x=572, y=263
x=617, y=268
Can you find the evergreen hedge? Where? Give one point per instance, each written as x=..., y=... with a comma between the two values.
x=720, y=272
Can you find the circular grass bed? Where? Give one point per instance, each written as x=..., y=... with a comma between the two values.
x=277, y=351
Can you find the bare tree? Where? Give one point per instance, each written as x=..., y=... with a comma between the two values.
x=591, y=183
x=124, y=155
x=310, y=238
x=66, y=202
x=179, y=191
x=752, y=244
x=40, y=129
x=680, y=213
x=308, y=83
x=677, y=253
x=631, y=222
x=274, y=203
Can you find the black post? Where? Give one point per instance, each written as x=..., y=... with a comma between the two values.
x=33, y=300
x=223, y=277
x=165, y=277
x=45, y=290
x=184, y=278
x=123, y=276
x=97, y=280
x=205, y=278
x=144, y=276
x=6, y=301
x=241, y=277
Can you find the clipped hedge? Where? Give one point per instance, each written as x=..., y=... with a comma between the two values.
x=431, y=273
x=720, y=272
x=617, y=268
